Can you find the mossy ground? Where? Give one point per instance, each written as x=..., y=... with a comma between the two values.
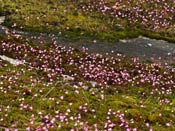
x=137, y=108
x=29, y=101
x=68, y=18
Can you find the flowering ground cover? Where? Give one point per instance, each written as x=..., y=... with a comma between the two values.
x=103, y=19
x=104, y=93
x=46, y=86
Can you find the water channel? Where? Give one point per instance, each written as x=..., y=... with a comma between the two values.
x=142, y=47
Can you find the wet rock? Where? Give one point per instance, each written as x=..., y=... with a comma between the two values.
x=11, y=60
x=67, y=78
x=149, y=44
x=2, y=19
x=123, y=41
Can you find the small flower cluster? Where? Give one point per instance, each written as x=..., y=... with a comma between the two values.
x=153, y=14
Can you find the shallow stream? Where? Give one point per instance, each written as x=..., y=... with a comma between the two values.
x=143, y=47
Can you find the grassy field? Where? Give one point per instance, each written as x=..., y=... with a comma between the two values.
x=87, y=18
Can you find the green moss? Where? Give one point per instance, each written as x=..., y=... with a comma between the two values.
x=135, y=114
x=155, y=117
x=68, y=18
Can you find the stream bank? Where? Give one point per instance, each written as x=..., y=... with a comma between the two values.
x=142, y=47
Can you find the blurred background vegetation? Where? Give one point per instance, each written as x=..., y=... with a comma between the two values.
x=69, y=18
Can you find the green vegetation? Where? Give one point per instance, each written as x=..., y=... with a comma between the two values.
x=69, y=18
x=60, y=88
x=24, y=105
x=31, y=100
